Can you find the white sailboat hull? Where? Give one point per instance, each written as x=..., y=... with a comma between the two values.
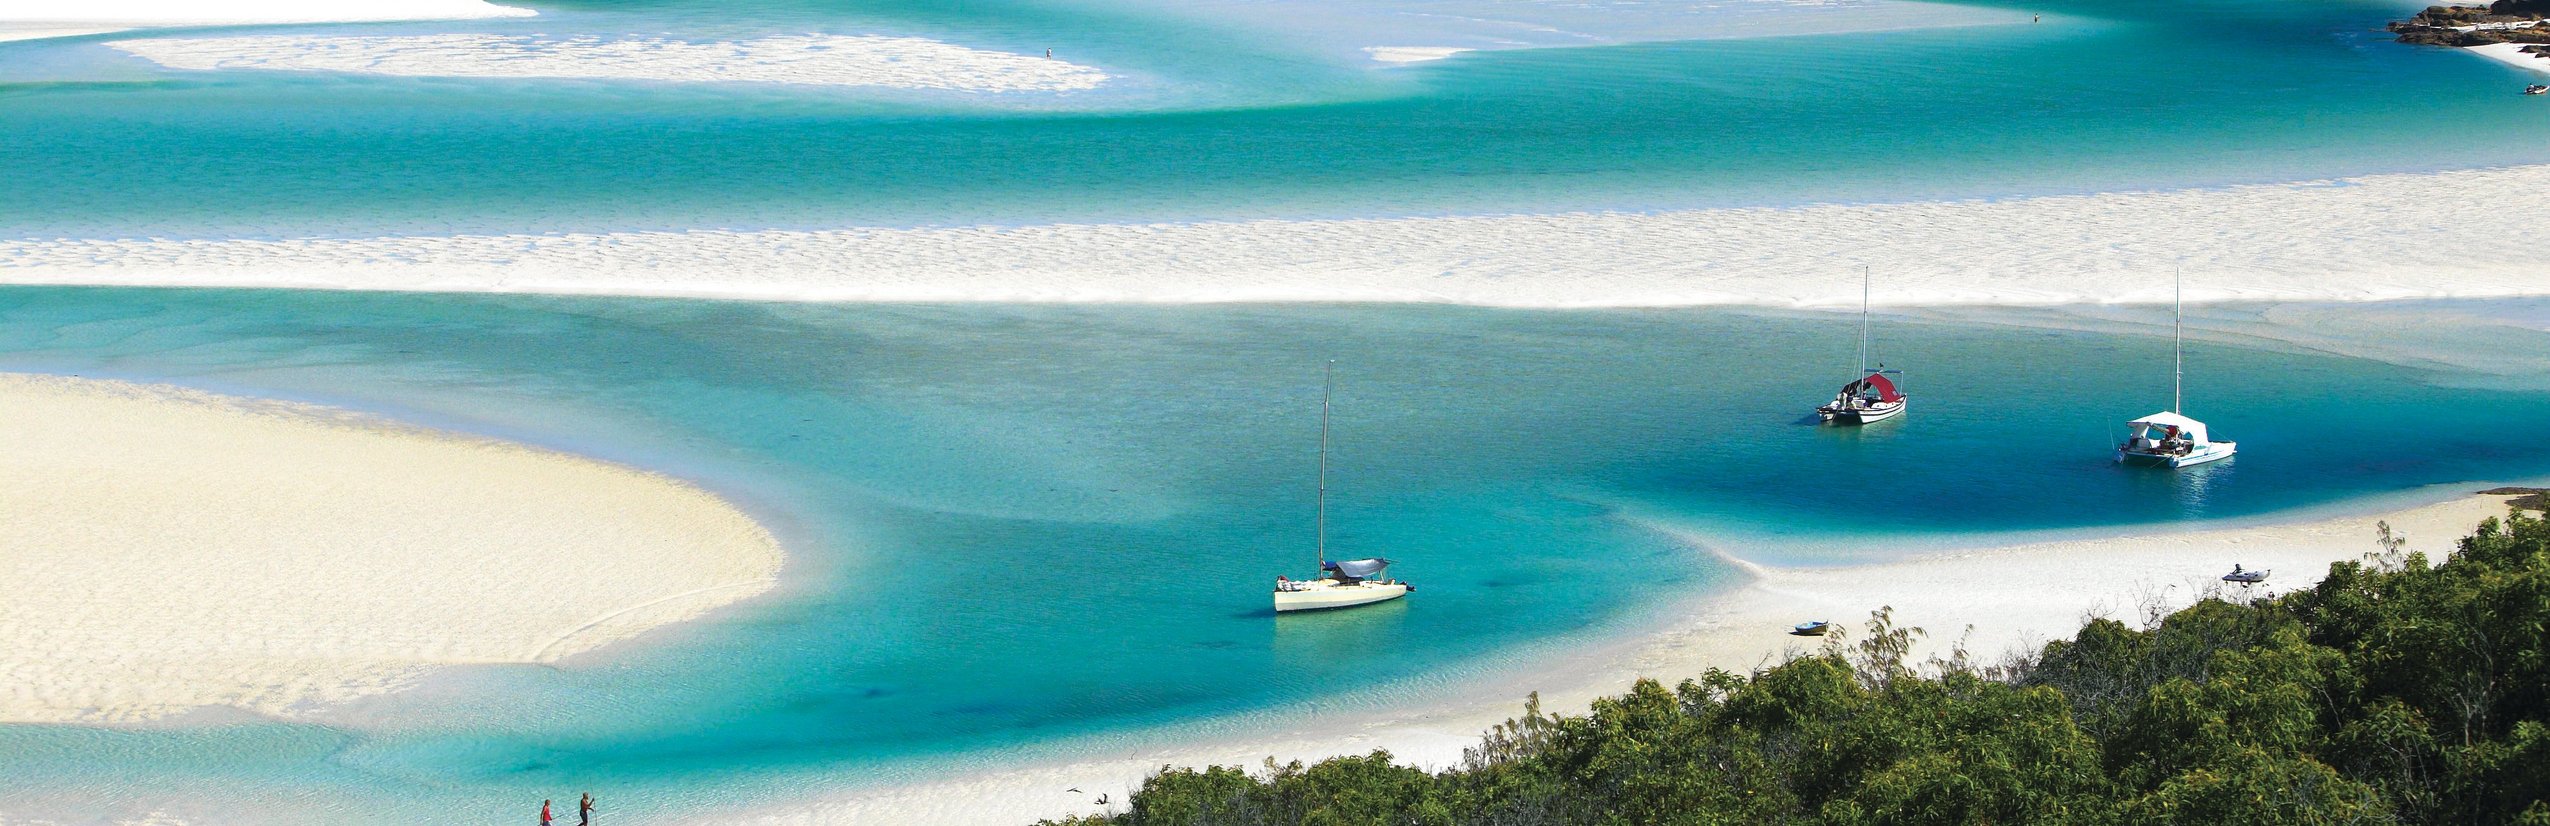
x=1322, y=593
x=1876, y=412
x=2200, y=454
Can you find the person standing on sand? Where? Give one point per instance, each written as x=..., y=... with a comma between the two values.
x=584, y=810
x=544, y=813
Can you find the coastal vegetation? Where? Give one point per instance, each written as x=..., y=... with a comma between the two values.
x=2397, y=690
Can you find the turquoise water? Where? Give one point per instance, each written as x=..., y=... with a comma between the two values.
x=1014, y=526
x=1035, y=528
x=1210, y=122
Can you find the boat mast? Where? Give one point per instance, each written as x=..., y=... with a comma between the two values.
x=2178, y=342
x=1863, y=323
x=1329, y=388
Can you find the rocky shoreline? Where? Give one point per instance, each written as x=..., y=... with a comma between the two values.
x=2505, y=21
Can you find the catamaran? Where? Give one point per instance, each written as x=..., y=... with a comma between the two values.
x=1342, y=583
x=1870, y=396
x=2168, y=438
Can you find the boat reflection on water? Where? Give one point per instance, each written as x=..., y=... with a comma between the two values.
x=1342, y=638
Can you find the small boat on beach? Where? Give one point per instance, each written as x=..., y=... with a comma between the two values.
x=1869, y=396
x=1814, y=628
x=2169, y=438
x=2244, y=576
x=1343, y=583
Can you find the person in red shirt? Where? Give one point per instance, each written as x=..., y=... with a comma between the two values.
x=544, y=813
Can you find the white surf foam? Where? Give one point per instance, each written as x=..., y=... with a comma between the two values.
x=2375, y=237
x=811, y=59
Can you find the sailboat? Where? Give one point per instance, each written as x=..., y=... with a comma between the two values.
x=1870, y=396
x=2169, y=438
x=1343, y=583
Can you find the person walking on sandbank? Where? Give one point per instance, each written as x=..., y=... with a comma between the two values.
x=544, y=814
x=584, y=810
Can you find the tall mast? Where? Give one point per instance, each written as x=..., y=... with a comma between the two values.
x=1863, y=324
x=1327, y=390
x=2178, y=342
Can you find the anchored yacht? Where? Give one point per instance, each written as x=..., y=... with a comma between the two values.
x=1343, y=583
x=1870, y=396
x=2169, y=438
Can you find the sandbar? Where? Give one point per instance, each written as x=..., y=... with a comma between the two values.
x=2373, y=237
x=1412, y=54
x=167, y=549
x=809, y=59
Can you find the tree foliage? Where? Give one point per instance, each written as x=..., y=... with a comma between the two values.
x=2395, y=691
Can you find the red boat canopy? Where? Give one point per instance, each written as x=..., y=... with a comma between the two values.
x=1885, y=388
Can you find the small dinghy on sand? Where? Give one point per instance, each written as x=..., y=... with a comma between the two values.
x=1810, y=629
x=2245, y=576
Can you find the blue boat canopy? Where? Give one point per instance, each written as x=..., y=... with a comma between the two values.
x=1359, y=568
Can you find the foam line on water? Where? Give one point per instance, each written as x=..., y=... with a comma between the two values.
x=809, y=59
x=2368, y=238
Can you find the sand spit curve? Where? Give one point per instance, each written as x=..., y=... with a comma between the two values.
x=165, y=549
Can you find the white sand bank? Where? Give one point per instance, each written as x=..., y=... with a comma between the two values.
x=1737, y=629
x=2509, y=54
x=29, y=20
x=814, y=59
x=166, y=549
x=1412, y=54
x=2375, y=237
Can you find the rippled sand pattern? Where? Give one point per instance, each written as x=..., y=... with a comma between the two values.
x=813, y=59
x=163, y=549
x=2376, y=237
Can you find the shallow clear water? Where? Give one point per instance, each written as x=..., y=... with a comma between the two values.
x=1077, y=509
x=1019, y=525
x=1211, y=120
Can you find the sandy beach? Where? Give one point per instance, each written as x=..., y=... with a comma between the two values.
x=167, y=550
x=2057, y=585
x=2366, y=238
x=2511, y=54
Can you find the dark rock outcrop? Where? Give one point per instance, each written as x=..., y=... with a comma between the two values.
x=2505, y=21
